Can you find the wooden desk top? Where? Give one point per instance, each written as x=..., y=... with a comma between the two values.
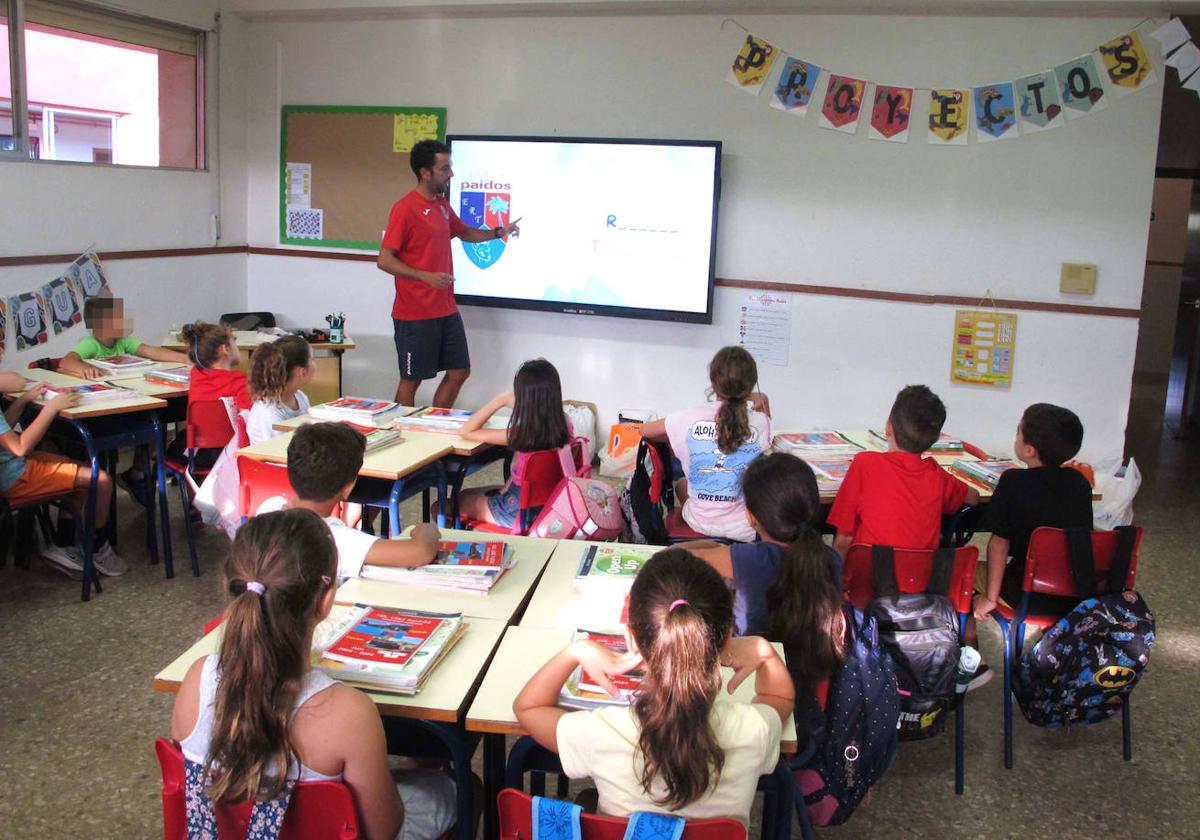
x=557, y=603
x=250, y=339
x=97, y=408
x=457, y=444
x=502, y=604
x=445, y=696
x=413, y=452
x=524, y=650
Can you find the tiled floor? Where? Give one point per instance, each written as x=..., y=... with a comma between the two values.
x=78, y=716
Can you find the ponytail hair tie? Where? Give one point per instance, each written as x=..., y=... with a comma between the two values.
x=679, y=602
x=256, y=587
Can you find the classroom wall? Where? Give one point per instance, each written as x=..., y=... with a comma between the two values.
x=800, y=205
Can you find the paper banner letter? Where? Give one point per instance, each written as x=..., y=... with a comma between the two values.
x=1127, y=64
x=1185, y=61
x=87, y=275
x=995, y=112
x=948, y=116
x=795, y=86
x=1080, y=86
x=60, y=299
x=1171, y=35
x=1039, y=104
x=29, y=314
x=891, y=113
x=752, y=64
x=843, y=103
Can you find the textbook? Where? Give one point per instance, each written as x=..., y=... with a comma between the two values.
x=387, y=650
x=460, y=566
x=611, y=565
x=829, y=471
x=581, y=691
x=169, y=376
x=88, y=392
x=945, y=443
x=986, y=473
x=351, y=408
x=817, y=442
x=377, y=438
x=433, y=419
x=122, y=362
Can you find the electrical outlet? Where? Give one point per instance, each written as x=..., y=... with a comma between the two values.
x=1078, y=279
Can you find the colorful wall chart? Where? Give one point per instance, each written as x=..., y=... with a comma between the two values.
x=985, y=343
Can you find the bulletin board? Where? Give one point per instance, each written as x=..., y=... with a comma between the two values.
x=342, y=167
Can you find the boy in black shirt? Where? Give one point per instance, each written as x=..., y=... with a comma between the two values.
x=1045, y=494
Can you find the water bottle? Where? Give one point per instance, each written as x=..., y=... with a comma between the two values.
x=968, y=664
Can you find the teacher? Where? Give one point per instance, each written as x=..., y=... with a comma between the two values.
x=415, y=250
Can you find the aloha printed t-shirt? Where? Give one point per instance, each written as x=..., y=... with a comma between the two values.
x=419, y=231
x=90, y=347
x=715, y=506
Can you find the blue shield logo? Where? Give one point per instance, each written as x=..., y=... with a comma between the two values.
x=484, y=210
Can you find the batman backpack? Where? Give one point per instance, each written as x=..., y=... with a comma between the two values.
x=648, y=495
x=857, y=740
x=1081, y=670
x=920, y=631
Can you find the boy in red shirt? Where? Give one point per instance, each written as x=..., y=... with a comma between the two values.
x=897, y=497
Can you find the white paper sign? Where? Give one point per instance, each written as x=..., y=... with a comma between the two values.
x=764, y=327
x=1171, y=35
x=299, y=185
x=1186, y=60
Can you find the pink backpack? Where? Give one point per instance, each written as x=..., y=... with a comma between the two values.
x=579, y=508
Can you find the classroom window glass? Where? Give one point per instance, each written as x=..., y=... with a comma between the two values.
x=103, y=88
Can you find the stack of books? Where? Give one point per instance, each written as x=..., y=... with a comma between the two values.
x=377, y=438
x=581, y=690
x=88, y=392
x=606, y=567
x=818, y=444
x=169, y=376
x=830, y=472
x=386, y=650
x=461, y=566
x=119, y=363
x=986, y=473
x=945, y=444
x=362, y=412
x=432, y=419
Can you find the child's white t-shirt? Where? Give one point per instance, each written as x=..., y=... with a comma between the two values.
x=352, y=546
x=260, y=425
x=602, y=744
x=715, y=506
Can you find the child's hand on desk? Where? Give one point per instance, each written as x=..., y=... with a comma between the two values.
x=601, y=663
x=63, y=402
x=90, y=372
x=36, y=389
x=427, y=532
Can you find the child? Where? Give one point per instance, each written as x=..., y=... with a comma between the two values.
x=323, y=460
x=1045, y=494
x=105, y=317
x=897, y=497
x=25, y=473
x=537, y=423
x=277, y=373
x=715, y=444
x=676, y=748
x=255, y=715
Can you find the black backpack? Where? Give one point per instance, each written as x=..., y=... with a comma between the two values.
x=649, y=494
x=1081, y=670
x=920, y=631
x=857, y=741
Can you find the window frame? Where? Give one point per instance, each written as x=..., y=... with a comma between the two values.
x=19, y=98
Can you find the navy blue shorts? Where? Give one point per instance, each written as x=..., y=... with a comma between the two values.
x=424, y=348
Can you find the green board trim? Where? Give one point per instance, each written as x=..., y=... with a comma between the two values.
x=286, y=112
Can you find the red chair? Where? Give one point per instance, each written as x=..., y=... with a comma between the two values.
x=913, y=568
x=516, y=823
x=543, y=472
x=317, y=811
x=1048, y=572
x=260, y=482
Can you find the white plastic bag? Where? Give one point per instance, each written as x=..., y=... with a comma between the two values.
x=1116, y=487
x=217, y=496
x=583, y=421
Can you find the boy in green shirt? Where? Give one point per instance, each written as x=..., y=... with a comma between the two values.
x=105, y=317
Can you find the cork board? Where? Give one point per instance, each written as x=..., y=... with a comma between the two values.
x=342, y=167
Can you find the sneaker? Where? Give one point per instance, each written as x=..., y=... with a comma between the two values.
x=108, y=562
x=133, y=482
x=982, y=676
x=67, y=560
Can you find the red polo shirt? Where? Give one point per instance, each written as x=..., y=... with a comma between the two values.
x=896, y=499
x=419, y=231
x=213, y=383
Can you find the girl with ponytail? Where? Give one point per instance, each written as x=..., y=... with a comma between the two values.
x=254, y=718
x=676, y=748
x=715, y=443
x=277, y=373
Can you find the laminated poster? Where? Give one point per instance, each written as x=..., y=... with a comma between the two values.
x=1038, y=102
x=843, y=103
x=948, y=119
x=1080, y=86
x=995, y=112
x=749, y=70
x=29, y=317
x=794, y=90
x=305, y=223
x=63, y=308
x=410, y=129
x=1127, y=63
x=984, y=345
x=891, y=114
x=764, y=327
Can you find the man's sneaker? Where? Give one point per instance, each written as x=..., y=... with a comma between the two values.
x=133, y=482
x=108, y=562
x=982, y=676
x=67, y=560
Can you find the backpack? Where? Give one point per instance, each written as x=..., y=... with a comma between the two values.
x=1081, y=670
x=920, y=631
x=579, y=508
x=858, y=741
x=648, y=495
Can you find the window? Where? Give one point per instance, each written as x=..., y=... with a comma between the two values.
x=99, y=87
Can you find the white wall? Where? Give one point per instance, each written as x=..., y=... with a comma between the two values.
x=800, y=204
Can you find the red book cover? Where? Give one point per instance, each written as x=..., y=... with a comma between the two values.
x=383, y=636
x=360, y=404
x=624, y=683
x=453, y=553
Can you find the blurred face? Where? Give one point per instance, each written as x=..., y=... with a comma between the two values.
x=113, y=325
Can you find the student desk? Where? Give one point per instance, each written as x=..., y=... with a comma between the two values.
x=458, y=446
x=393, y=463
x=101, y=432
x=503, y=603
x=437, y=711
x=557, y=603
x=522, y=652
x=326, y=383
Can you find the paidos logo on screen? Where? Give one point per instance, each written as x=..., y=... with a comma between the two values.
x=485, y=204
